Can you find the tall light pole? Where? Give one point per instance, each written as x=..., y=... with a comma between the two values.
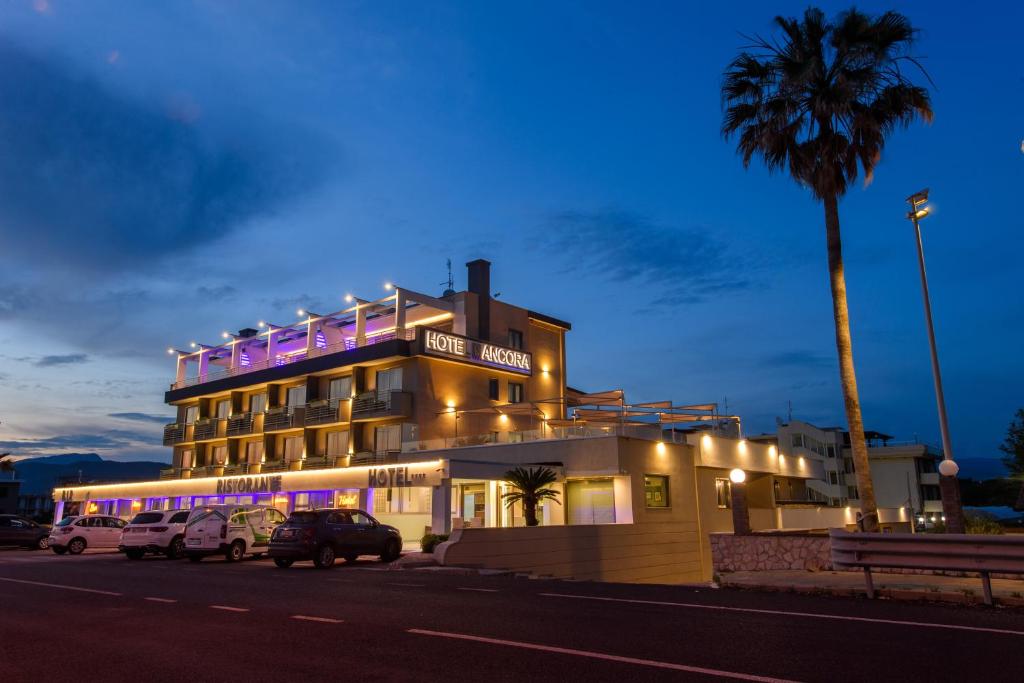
x=951, y=507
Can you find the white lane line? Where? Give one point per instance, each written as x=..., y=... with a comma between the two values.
x=409, y=585
x=838, y=617
x=602, y=655
x=165, y=600
x=229, y=609
x=325, y=620
x=61, y=586
x=479, y=590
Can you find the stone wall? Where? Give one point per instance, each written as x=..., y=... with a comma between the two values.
x=763, y=552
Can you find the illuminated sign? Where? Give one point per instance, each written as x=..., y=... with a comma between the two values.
x=388, y=477
x=478, y=352
x=266, y=484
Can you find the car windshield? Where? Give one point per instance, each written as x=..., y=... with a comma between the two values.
x=147, y=518
x=66, y=521
x=303, y=518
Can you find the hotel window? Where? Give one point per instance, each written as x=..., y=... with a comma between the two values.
x=388, y=381
x=723, y=492
x=191, y=414
x=852, y=493
x=254, y=452
x=515, y=437
x=296, y=396
x=387, y=438
x=340, y=388
x=293, y=448
x=515, y=392
x=223, y=409
x=220, y=455
x=833, y=478
x=188, y=457
x=798, y=441
x=656, y=490
x=831, y=451
x=337, y=443
x=515, y=339
x=257, y=403
x=492, y=389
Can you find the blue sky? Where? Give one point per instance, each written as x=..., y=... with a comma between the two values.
x=172, y=170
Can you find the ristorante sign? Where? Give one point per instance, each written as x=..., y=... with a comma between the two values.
x=477, y=352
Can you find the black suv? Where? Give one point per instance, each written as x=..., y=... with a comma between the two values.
x=16, y=530
x=323, y=535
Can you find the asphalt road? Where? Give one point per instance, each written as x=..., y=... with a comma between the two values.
x=102, y=617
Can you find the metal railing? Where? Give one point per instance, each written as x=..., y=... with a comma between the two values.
x=372, y=404
x=277, y=419
x=347, y=345
x=175, y=433
x=240, y=424
x=208, y=428
x=325, y=412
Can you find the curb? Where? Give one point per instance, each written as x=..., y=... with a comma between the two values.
x=901, y=594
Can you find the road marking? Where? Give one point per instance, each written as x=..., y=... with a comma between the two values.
x=230, y=609
x=167, y=600
x=602, y=655
x=479, y=590
x=326, y=620
x=61, y=586
x=409, y=585
x=838, y=617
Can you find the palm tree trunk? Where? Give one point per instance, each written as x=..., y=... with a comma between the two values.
x=847, y=374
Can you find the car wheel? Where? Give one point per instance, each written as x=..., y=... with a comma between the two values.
x=283, y=562
x=391, y=551
x=135, y=553
x=76, y=546
x=324, y=558
x=351, y=558
x=236, y=551
x=43, y=543
x=176, y=547
x=59, y=551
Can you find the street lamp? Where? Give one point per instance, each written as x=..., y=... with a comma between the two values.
x=948, y=468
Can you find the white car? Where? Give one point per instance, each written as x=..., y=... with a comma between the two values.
x=230, y=530
x=157, y=531
x=75, y=534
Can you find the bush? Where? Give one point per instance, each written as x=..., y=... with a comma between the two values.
x=430, y=541
x=974, y=523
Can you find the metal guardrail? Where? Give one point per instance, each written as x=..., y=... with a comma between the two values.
x=939, y=552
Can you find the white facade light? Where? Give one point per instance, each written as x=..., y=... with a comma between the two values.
x=737, y=476
x=948, y=468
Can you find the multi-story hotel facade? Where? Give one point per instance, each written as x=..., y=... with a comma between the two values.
x=414, y=407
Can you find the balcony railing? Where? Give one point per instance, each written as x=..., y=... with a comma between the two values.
x=209, y=428
x=346, y=345
x=241, y=424
x=176, y=433
x=378, y=406
x=278, y=419
x=327, y=412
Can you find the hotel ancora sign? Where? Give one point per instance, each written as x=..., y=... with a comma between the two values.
x=478, y=352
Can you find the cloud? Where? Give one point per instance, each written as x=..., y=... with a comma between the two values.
x=142, y=417
x=67, y=359
x=92, y=179
x=108, y=440
x=680, y=265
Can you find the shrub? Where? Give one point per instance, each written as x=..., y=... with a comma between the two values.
x=430, y=541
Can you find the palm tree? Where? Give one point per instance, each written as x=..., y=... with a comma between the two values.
x=530, y=485
x=6, y=464
x=819, y=103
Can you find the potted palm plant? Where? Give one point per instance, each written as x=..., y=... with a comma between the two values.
x=531, y=487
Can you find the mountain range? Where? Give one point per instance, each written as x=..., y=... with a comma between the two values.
x=40, y=475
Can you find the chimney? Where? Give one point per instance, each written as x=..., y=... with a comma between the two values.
x=480, y=284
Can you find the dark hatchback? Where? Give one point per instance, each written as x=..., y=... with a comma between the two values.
x=323, y=535
x=16, y=530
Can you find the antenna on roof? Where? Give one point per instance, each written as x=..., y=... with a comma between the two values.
x=450, y=283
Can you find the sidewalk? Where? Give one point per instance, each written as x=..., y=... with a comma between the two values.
x=962, y=590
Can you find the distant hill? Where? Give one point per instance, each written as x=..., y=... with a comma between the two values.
x=40, y=475
x=980, y=469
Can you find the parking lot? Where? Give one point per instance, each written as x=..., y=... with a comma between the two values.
x=99, y=615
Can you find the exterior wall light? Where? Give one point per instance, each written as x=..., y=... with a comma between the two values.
x=503, y=418
x=660, y=448
x=737, y=476
x=948, y=468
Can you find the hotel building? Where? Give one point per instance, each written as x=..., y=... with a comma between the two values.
x=414, y=407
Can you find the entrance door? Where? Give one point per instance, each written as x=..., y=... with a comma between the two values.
x=474, y=499
x=590, y=502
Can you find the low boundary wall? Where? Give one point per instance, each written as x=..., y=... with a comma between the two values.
x=764, y=552
x=663, y=552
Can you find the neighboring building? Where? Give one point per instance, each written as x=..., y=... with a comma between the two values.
x=904, y=474
x=9, y=496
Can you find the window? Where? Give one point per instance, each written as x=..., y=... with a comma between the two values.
x=273, y=516
x=492, y=389
x=360, y=518
x=852, y=493
x=798, y=441
x=293, y=448
x=833, y=478
x=387, y=438
x=656, y=490
x=831, y=451
x=590, y=502
x=340, y=388
x=258, y=403
x=223, y=409
x=515, y=437
x=296, y=396
x=220, y=455
x=178, y=518
x=723, y=492
x=515, y=339
x=848, y=467
x=515, y=392
x=337, y=443
x=191, y=414
x=339, y=518
x=388, y=381
x=114, y=523
x=254, y=452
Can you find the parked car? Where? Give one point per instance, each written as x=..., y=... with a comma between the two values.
x=323, y=535
x=16, y=530
x=230, y=530
x=160, y=532
x=75, y=534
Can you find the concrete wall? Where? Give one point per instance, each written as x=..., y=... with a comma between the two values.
x=655, y=552
x=764, y=552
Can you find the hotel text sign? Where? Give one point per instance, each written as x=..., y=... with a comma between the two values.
x=265, y=484
x=480, y=353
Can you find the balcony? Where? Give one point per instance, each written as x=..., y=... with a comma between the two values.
x=325, y=462
x=176, y=433
x=241, y=424
x=334, y=411
x=210, y=428
x=280, y=419
x=374, y=406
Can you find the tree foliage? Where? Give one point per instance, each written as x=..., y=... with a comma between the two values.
x=531, y=487
x=1013, y=445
